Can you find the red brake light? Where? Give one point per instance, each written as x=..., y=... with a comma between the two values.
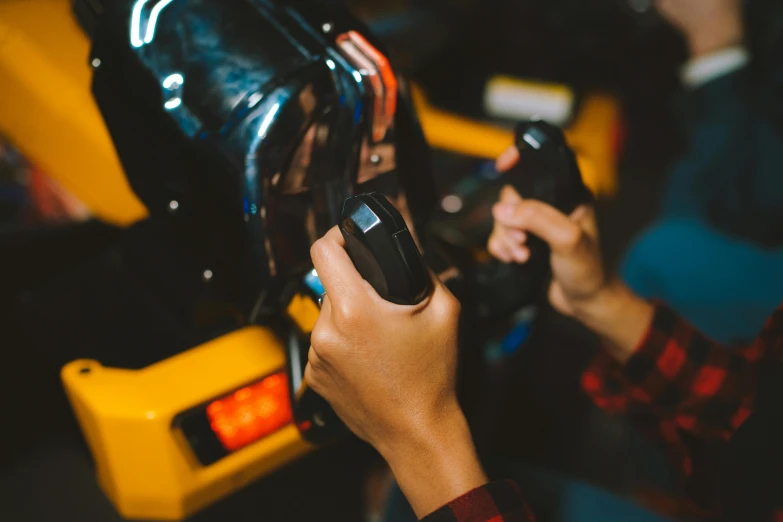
x=251, y=413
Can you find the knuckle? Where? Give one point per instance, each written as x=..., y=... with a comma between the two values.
x=453, y=308
x=313, y=380
x=320, y=341
x=528, y=212
x=572, y=238
x=492, y=244
x=313, y=359
x=346, y=313
x=448, y=310
x=318, y=250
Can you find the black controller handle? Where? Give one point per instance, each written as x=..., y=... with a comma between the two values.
x=385, y=254
x=547, y=171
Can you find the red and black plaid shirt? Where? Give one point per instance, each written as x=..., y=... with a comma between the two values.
x=694, y=390
x=690, y=384
x=494, y=502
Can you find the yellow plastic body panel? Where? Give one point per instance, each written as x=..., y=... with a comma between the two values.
x=47, y=110
x=591, y=135
x=143, y=463
x=304, y=312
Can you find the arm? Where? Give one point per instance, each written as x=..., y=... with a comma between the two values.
x=442, y=478
x=389, y=372
x=706, y=388
x=734, y=117
x=661, y=362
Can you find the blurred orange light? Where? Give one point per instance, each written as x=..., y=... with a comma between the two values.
x=251, y=413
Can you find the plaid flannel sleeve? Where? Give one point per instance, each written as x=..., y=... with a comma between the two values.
x=494, y=502
x=707, y=389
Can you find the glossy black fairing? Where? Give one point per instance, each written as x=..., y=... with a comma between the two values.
x=243, y=126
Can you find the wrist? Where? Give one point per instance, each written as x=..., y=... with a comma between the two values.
x=698, y=48
x=590, y=311
x=722, y=33
x=619, y=316
x=435, y=461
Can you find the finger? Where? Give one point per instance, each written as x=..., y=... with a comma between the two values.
x=561, y=233
x=520, y=254
x=321, y=336
x=504, y=214
x=337, y=272
x=558, y=299
x=584, y=215
x=517, y=235
x=517, y=249
x=313, y=359
x=311, y=380
x=498, y=248
x=509, y=195
x=508, y=245
x=507, y=159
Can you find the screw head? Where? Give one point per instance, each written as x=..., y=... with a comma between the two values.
x=173, y=205
x=85, y=370
x=327, y=27
x=207, y=275
x=96, y=62
x=319, y=420
x=348, y=225
x=376, y=159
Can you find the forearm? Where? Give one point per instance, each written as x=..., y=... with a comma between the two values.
x=672, y=369
x=435, y=464
x=620, y=317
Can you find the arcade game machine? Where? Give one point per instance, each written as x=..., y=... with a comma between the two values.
x=203, y=147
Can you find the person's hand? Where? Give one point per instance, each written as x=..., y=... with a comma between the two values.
x=579, y=286
x=577, y=268
x=708, y=25
x=389, y=372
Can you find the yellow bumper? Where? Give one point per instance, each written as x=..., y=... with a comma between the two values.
x=144, y=464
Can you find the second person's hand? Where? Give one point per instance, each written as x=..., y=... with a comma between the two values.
x=579, y=286
x=578, y=275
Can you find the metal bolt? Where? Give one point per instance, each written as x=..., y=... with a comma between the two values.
x=207, y=275
x=96, y=62
x=327, y=28
x=348, y=225
x=173, y=205
x=376, y=159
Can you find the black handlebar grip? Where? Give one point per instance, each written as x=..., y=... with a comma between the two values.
x=385, y=254
x=383, y=250
x=547, y=171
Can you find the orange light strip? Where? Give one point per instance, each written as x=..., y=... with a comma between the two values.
x=251, y=413
x=389, y=79
x=376, y=67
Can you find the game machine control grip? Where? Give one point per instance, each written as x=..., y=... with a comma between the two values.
x=385, y=254
x=547, y=171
